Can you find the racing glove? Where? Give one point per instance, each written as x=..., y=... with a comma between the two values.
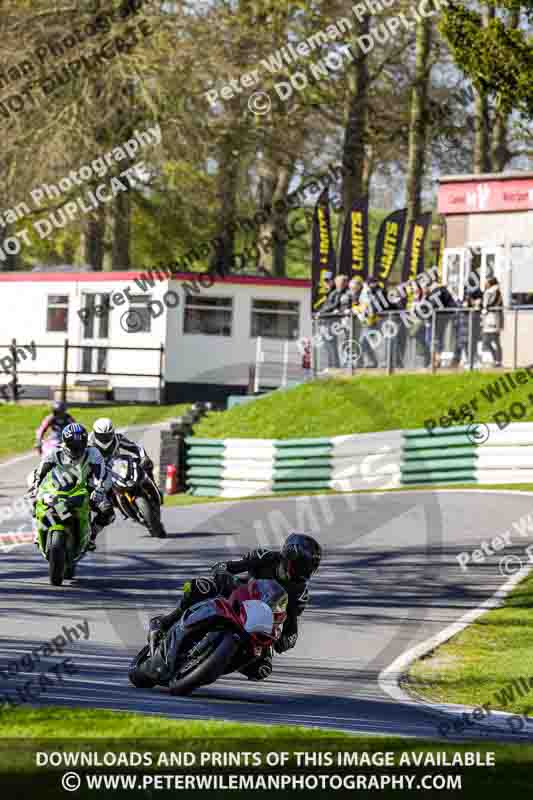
x=225, y=582
x=99, y=500
x=285, y=642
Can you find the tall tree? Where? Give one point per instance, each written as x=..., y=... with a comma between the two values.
x=418, y=123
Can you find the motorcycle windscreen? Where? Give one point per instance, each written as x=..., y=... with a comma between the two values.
x=271, y=592
x=200, y=612
x=122, y=470
x=259, y=617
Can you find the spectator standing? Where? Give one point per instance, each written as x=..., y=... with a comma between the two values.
x=351, y=324
x=365, y=310
x=331, y=313
x=462, y=319
x=492, y=320
x=443, y=302
x=422, y=327
x=399, y=342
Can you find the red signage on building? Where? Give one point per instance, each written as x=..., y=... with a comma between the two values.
x=475, y=197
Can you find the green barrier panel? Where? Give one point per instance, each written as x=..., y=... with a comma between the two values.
x=289, y=486
x=282, y=444
x=193, y=440
x=443, y=441
x=208, y=452
x=295, y=463
x=303, y=452
x=433, y=464
x=453, y=452
x=301, y=474
x=438, y=483
x=210, y=481
x=205, y=493
x=442, y=477
x=422, y=432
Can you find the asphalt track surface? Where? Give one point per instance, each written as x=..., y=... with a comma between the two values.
x=389, y=580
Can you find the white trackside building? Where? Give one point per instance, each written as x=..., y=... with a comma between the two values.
x=131, y=337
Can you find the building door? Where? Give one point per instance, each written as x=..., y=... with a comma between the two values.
x=95, y=333
x=455, y=268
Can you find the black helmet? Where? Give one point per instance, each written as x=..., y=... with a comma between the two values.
x=301, y=556
x=59, y=408
x=74, y=438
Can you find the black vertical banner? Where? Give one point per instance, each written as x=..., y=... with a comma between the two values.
x=354, y=245
x=322, y=251
x=388, y=244
x=413, y=262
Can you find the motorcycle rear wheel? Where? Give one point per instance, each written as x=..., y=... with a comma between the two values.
x=210, y=668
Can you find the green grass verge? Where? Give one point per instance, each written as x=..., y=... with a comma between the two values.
x=360, y=404
x=82, y=723
x=54, y=730
x=19, y=422
x=477, y=666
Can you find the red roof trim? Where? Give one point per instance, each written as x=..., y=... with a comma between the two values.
x=73, y=277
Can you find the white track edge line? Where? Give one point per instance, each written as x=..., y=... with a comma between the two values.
x=388, y=678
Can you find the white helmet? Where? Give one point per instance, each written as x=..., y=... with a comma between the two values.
x=104, y=433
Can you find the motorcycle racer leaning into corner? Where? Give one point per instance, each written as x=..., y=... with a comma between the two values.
x=75, y=452
x=109, y=443
x=292, y=567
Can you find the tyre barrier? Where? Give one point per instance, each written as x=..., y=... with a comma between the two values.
x=470, y=454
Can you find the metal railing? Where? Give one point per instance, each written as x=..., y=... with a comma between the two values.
x=278, y=363
x=459, y=338
x=15, y=359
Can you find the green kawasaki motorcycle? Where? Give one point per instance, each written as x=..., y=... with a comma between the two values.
x=62, y=518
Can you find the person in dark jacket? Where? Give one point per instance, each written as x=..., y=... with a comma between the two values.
x=292, y=567
x=443, y=303
x=492, y=320
x=331, y=312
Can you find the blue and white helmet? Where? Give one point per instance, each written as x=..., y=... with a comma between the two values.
x=74, y=439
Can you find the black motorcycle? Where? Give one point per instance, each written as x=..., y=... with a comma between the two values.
x=135, y=494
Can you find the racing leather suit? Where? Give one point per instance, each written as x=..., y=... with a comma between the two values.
x=54, y=422
x=258, y=564
x=93, y=468
x=121, y=443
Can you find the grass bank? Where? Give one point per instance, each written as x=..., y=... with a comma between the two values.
x=101, y=734
x=360, y=404
x=478, y=666
x=19, y=422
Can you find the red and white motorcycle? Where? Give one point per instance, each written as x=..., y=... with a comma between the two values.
x=213, y=638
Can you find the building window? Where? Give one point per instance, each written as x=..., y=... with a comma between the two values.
x=57, y=313
x=211, y=316
x=96, y=322
x=275, y=319
x=139, y=319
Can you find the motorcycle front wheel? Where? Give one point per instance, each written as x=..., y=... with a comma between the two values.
x=57, y=558
x=150, y=517
x=219, y=648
